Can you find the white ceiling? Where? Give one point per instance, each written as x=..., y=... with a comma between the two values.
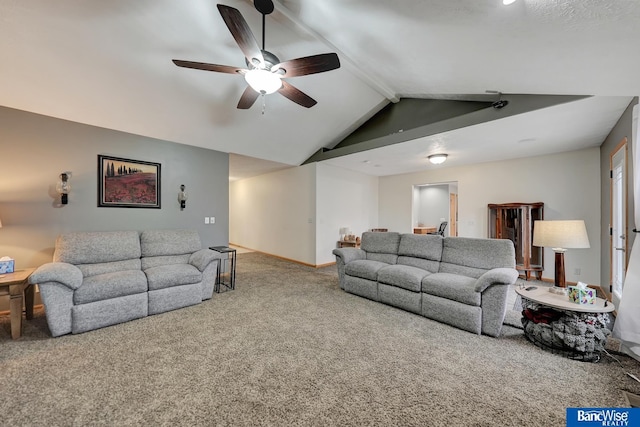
x=108, y=64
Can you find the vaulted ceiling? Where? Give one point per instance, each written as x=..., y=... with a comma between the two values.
x=108, y=64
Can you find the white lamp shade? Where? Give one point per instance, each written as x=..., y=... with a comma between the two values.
x=263, y=80
x=560, y=234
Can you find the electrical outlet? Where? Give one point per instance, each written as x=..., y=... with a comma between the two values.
x=206, y=220
x=577, y=271
x=213, y=220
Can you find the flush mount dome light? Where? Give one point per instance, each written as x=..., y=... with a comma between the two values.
x=437, y=159
x=263, y=81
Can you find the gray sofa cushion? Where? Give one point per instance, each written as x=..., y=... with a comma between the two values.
x=110, y=285
x=97, y=247
x=452, y=287
x=99, y=314
x=169, y=242
x=421, y=246
x=402, y=276
x=109, y=267
x=365, y=269
x=473, y=257
x=202, y=258
x=165, y=276
x=375, y=242
x=155, y=261
x=381, y=247
x=420, y=251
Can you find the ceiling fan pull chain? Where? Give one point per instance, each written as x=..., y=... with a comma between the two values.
x=264, y=103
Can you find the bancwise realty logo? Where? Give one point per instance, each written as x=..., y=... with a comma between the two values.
x=588, y=417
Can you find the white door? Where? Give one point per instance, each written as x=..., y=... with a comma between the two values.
x=618, y=228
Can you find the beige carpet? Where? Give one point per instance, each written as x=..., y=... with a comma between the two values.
x=288, y=347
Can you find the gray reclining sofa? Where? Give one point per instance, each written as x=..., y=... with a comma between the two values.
x=99, y=279
x=455, y=280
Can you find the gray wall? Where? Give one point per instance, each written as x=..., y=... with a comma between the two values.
x=434, y=204
x=621, y=130
x=35, y=149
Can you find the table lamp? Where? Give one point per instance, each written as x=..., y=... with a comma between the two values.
x=560, y=236
x=343, y=232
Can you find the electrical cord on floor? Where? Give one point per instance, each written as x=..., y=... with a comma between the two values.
x=620, y=363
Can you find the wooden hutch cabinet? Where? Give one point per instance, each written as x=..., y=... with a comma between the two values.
x=514, y=221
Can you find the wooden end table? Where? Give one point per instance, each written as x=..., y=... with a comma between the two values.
x=348, y=244
x=548, y=317
x=16, y=285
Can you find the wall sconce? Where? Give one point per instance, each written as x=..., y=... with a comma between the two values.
x=63, y=187
x=182, y=197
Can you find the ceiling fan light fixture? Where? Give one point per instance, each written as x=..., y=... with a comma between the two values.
x=508, y=2
x=263, y=81
x=437, y=159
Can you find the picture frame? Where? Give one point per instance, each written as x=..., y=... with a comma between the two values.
x=128, y=183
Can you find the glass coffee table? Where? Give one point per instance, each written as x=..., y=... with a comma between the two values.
x=554, y=323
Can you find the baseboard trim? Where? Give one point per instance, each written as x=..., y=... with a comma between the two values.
x=285, y=258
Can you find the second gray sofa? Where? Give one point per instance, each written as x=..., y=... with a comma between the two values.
x=455, y=280
x=99, y=279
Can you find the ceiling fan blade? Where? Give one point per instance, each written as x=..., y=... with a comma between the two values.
x=309, y=65
x=248, y=98
x=209, y=67
x=296, y=95
x=241, y=33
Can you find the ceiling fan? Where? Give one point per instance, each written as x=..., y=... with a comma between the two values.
x=265, y=73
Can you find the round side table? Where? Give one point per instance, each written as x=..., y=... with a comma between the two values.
x=554, y=323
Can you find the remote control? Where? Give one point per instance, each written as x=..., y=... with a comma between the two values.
x=530, y=288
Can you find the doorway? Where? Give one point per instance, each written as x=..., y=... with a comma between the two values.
x=435, y=203
x=618, y=247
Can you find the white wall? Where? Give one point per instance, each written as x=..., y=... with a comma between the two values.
x=297, y=213
x=275, y=213
x=567, y=183
x=344, y=199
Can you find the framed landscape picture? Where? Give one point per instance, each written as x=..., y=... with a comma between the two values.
x=126, y=183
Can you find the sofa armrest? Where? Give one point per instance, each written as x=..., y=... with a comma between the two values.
x=496, y=276
x=61, y=272
x=349, y=254
x=202, y=258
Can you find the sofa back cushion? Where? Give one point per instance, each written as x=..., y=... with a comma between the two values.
x=420, y=250
x=162, y=247
x=381, y=246
x=472, y=257
x=99, y=252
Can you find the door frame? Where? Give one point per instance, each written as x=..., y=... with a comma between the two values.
x=622, y=145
